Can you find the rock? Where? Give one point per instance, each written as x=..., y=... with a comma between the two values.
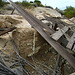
x=8, y=21
x=66, y=21
x=46, y=22
x=73, y=73
x=41, y=11
x=9, y=7
x=40, y=16
x=12, y=20
x=73, y=19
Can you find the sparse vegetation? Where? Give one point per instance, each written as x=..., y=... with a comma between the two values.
x=30, y=4
x=2, y=3
x=17, y=2
x=26, y=4
x=49, y=7
x=69, y=12
x=37, y=2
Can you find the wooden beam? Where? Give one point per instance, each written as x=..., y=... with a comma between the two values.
x=7, y=30
x=12, y=11
x=59, y=33
x=71, y=41
x=74, y=48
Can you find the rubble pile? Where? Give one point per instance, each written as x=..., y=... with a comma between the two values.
x=31, y=44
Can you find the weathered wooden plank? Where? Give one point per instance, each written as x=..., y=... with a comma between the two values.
x=71, y=41
x=67, y=36
x=7, y=30
x=74, y=48
x=59, y=33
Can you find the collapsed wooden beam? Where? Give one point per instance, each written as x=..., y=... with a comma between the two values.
x=71, y=41
x=59, y=33
x=12, y=11
x=7, y=30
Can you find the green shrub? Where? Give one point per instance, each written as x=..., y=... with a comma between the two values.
x=69, y=8
x=69, y=12
x=17, y=2
x=26, y=4
x=2, y=3
x=37, y=2
x=41, y=5
x=31, y=2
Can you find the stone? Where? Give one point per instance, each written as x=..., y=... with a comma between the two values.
x=40, y=16
x=8, y=21
x=46, y=11
x=73, y=73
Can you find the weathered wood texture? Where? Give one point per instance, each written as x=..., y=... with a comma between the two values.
x=7, y=30
x=71, y=41
x=59, y=33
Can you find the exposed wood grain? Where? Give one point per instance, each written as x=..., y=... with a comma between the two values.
x=59, y=33
x=71, y=41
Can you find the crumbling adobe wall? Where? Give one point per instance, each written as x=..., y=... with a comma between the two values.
x=29, y=41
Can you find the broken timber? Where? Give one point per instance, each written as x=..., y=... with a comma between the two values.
x=7, y=30
x=12, y=11
x=38, y=25
x=71, y=42
x=59, y=33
